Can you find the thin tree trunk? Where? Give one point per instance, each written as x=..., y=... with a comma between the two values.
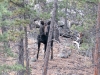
x=21, y=50
x=49, y=39
x=66, y=28
x=21, y=54
x=26, y=46
x=97, y=48
x=26, y=52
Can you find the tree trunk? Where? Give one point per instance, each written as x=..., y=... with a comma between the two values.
x=49, y=39
x=66, y=28
x=26, y=52
x=97, y=48
x=26, y=45
x=21, y=54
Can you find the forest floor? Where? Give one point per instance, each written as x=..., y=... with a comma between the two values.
x=75, y=64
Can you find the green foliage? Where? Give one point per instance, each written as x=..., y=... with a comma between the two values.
x=6, y=23
x=13, y=34
x=8, y=52
x=80, y=4
x=18, y=1
x=23, y=22
x=72, y=47
x=50, y=5
x=95, y=1
x=3, y=37
x=78, y=28
x=33, y=13
x=84, y=46
x=7, y=68
x=7, y=35
x=62, y=5
x=45, y=15
x=1, y=0
x=61, y=14
x=3, y=8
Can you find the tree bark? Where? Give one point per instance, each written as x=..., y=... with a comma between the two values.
x=21, y=54
x=97, y=45
x=26, y=45
x=26, y=52
x=49, y=39
x=21, y=48
x=66, y=28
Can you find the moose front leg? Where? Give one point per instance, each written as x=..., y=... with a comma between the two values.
x=45, y=46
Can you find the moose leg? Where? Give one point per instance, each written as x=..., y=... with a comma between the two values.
x=38, y=49
x=51, y=49
x=45, y=50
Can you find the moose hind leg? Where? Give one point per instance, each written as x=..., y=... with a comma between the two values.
x=38, y=49
x=52, y=50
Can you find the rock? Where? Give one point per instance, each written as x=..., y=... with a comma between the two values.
x=33, y=60
x=64, y=54
x=82, y=52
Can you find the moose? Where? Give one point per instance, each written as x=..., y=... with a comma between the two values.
x=43, y=37
x=44, y=34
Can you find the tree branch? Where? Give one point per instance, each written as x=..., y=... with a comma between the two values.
x=18, y=4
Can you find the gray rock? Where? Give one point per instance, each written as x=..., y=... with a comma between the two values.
x=64, y=54
x=33, y=60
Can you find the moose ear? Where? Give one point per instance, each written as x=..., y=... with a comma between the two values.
x=35, y=19
x=42, y=22
x=49, y=23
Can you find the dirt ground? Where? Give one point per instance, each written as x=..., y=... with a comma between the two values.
x=75, y=64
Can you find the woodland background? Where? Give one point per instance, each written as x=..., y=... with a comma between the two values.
x=18, y=32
